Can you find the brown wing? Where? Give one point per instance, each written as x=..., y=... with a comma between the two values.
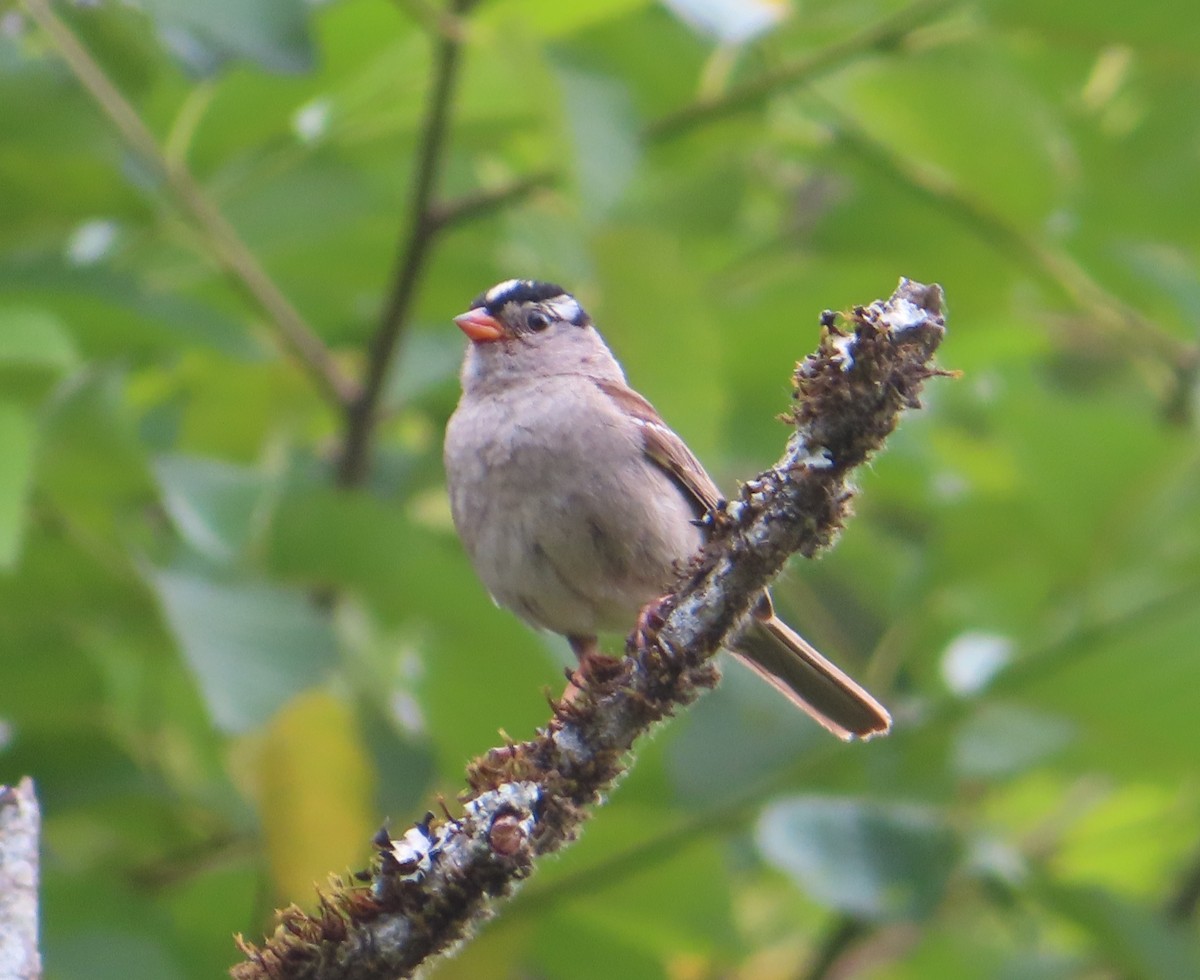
x=665, y=448
x=771, y=648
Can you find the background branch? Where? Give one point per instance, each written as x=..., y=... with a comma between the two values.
x=422, y=227
x=227, y=248
x=525, y=800
x=20, y=828
x=486, y=201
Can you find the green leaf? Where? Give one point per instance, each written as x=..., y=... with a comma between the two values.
x=114, y=312
x=16, y=450
x=92, y=465
x=552, y=18
x=871, y=860
x=1129, y=688
x=36, y=338
x=212, y=899
x=603, y=133
x=1001, y=740
x=735, y=737
x=578, y=947
x=35, y=353
x=665, y=901
x=660, y=323
x=126, y=954
x=273, y=33
x=1166, y=26
x=428, y=360
x=216, y=506
x=250, y=646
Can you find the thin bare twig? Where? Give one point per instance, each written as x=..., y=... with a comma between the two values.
x=430, y=887
x=226, y=246
x=421, y=229
x=485, y=202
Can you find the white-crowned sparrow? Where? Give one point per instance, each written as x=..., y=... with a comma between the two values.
x=578, y=505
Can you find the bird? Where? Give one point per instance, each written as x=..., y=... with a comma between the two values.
x=578, y=506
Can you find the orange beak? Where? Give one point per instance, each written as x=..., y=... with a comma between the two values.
x=480, y=325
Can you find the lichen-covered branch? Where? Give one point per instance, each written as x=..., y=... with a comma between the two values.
x=429, y=888
x=20, y=826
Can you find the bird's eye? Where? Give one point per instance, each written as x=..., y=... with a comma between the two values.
x=537, y=321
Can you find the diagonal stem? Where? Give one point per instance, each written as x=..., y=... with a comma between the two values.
x=883, y=35
x=1107, y=314
x=232, y=254
x=482, y=203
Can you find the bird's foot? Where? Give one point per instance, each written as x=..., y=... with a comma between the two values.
x=650, y=620
x=594, y=669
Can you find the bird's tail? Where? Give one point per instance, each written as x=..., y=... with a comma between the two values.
x=790, y=664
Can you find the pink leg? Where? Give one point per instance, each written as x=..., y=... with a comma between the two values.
x=586, y=649
x=650, y=620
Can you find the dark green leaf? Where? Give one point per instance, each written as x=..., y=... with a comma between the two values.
x=869, y=860
x=428, y=361
x=36, y=338
x=600, y=120
x=1000, y=740
x=215, y=506
x=272, y=32
x=250, y=646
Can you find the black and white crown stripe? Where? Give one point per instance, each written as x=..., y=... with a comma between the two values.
x=520, y=291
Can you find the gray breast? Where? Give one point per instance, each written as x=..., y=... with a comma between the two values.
x=567, y=522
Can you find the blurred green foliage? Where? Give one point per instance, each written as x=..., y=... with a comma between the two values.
x=224, y=671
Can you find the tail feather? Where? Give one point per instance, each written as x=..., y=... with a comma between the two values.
x=790, y=664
